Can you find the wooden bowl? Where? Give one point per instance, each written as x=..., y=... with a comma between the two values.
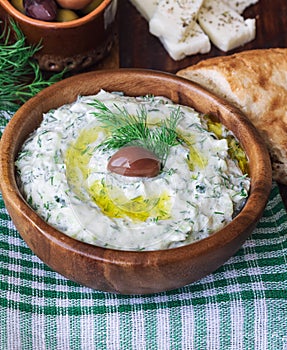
x=130, y=272
x=73, y=45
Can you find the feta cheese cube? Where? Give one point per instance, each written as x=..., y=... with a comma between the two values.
x=224, y=26
x=174, y=23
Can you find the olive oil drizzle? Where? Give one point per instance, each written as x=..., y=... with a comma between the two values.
x=77, y=160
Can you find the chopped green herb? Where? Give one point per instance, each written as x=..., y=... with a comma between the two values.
x=20, y=77
x=126, y=129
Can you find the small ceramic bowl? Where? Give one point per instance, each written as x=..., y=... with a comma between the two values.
x=74, y=45
x=132, y=272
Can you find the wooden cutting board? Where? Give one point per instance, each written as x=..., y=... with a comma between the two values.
x=138, y=48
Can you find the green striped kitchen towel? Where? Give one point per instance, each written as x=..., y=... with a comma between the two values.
x=243, y=305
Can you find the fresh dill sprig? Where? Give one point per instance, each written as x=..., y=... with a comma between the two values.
x=20, y=77
x=128, y=129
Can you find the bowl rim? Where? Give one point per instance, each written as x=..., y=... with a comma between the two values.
x=11, y=191
x=12, y=11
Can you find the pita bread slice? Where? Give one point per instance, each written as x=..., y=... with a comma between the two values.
x=255, y=81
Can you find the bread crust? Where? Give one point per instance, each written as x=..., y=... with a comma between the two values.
x=254, y=81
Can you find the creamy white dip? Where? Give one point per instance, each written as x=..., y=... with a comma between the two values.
x=64, y=178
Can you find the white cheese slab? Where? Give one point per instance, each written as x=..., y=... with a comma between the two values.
x=225, y=27
x=174, y=23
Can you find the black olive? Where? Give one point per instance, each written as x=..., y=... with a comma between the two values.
x=134, y=161
x=44, y=10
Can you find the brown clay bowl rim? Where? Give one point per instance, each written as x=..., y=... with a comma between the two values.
x=11, y=10
x=250, y=214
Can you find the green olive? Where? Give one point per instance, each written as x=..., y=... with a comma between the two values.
x=18, y=4
x=89, y=8
x=65, y=15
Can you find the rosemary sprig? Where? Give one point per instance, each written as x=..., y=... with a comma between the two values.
x=128, y=129
x=20, y=77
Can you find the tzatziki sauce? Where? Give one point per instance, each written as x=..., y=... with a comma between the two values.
x=63, y=176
